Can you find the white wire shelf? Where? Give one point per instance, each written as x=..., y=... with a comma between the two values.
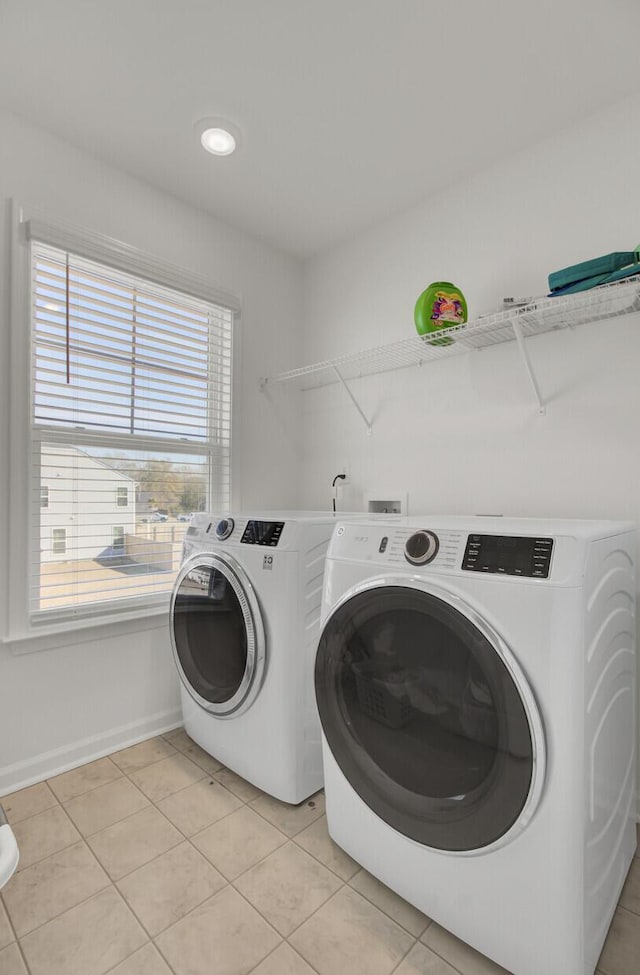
x=543, y=315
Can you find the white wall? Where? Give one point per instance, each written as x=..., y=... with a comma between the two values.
x=464, y=435
x=76, y=701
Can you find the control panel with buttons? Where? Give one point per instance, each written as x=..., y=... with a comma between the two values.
x=509, y=555
x=262, y=533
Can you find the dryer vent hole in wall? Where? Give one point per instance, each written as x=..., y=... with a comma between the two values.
x=385, y=507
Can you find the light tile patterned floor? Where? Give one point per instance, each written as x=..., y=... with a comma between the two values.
x=158, y=861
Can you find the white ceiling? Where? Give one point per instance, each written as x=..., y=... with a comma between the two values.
x=350, y=109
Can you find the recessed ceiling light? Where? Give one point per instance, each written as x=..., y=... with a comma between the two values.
x=218, y=136
x=218, y=141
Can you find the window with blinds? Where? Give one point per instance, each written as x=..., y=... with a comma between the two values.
x=131, y=431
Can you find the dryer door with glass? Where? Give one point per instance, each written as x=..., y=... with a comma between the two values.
x=217, y=634
x=429, y=716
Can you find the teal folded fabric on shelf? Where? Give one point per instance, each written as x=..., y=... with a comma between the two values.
x=597, y=280
x=598, y=267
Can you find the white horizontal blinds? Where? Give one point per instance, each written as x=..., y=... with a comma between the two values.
x=131, y=429
x=130, y=357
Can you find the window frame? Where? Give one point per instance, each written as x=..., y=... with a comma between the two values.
x=58, y=551
x=44, y=495
x=22, y=632
x=119, y=490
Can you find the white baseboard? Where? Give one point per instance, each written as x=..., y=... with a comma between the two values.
x=47, y=764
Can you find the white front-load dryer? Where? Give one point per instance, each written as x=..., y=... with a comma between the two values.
x=475, y=680
x=244, y=620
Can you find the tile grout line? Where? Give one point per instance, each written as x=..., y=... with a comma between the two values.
x=56, y=917
x=143, y=768
x=273, y=951
x=240, y=894
x=44, y=782
x=117, y=822
x=62, y=848
x=205, y=775
x=386, y=913
x=318, y=860
x=244, y=803
x=150, y=801
x=56, y=802
x=218, y=894
x=319, y=907
x=17, y=940
x=75, y=769
x=228, y=883
x=297, y=833
x=113, y=883
x=349, y=883
x=155, y=804
x=118, y=963
x=407, y=952
x=150, y=941
x=335, y=893
x=84, y=899
x=232, y=883
x=344, y=883
x=84, y=840
x=619, y=907
x=188, y=839
x=450, y=963
x=163, y=956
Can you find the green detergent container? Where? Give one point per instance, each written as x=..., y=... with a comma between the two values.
x=441, y=305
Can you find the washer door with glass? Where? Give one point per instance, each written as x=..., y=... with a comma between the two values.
x=217, y=634
x=429, y=716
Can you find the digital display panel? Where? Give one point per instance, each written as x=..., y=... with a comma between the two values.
x=262, y=532
x=509, y=555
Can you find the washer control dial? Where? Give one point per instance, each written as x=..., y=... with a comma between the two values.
x=224, y=528
x=421, y=547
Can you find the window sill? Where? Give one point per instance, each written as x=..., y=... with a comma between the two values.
x=87, y=630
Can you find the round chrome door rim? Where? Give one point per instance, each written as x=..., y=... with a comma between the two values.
x=256, y=643
x=532, y=711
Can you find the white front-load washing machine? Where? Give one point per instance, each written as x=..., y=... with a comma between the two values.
x=475, y=680
x=244, y=619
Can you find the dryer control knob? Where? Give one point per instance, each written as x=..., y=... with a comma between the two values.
x=421, y=548
x=224, y=528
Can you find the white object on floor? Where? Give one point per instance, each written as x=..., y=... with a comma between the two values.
x=476, y=686
x=9, y=854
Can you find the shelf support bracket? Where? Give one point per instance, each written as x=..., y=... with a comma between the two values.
x=354, y=401
x=527, y=364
